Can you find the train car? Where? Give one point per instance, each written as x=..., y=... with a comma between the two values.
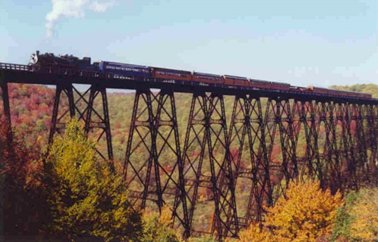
x=236, y=80
x=367, y=95
x=259, y=84
x=279, y=86
x=171, y=74
x=319, y=90
x=349, y=94
x=121, y=70
x=207, y=78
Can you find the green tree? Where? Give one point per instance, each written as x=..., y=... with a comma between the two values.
x=87, y=200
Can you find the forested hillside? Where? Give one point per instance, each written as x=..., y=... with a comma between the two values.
x=31, y=112
x=366, y=88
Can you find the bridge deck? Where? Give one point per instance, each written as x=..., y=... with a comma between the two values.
x=15, y=73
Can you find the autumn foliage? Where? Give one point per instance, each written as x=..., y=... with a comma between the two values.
x=364, y=226
x=305, y=213
x=157, y=227
x=23, y=199
x=358, y=219
x=86, y=199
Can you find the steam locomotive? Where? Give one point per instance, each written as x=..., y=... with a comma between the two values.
x=72, y=65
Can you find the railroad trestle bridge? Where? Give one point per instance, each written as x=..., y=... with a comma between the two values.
x=222, y=175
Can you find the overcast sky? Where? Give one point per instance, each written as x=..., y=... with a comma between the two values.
x=301, y=42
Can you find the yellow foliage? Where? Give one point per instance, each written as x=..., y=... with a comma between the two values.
x=157, y=227
x=364, y=226
x=87, y=200
x=304, y=214
x=255, y=233
x=166, y=216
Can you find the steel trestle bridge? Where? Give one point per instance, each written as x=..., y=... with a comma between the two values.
x=218, y=161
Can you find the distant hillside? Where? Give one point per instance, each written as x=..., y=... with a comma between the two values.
x=366, y=88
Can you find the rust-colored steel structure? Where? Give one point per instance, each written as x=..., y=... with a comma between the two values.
x=221, y=176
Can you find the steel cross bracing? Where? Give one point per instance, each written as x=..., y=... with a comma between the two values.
x=70, y=103
x=209, y=182
x=97, y=122
x=247, y=137
x=153, y=169
x=312, y=157
x=220, y=178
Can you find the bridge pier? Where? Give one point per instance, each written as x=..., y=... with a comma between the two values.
x=153, y=168
x=359, y=129
x=247, y=133
x=207, y=128
x=308, y=119
x=57, y=121
x=330, y=147
x=6, y=110
x=373, y=140
x=280, y=123
x=346, y=152
x=99, y=120
x=83, y=108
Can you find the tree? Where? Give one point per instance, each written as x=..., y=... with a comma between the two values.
x=87, y=200
x=305, y=213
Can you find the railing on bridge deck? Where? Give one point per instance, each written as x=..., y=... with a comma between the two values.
x=15, y=67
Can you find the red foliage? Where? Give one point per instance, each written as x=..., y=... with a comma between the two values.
x=31, y=107
x=23, y=200
x=276, y=154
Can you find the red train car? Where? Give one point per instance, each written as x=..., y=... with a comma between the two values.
x=279, y=86
x=171, y=74
x=259, y=84
x=207, y=78
x=236, y=81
